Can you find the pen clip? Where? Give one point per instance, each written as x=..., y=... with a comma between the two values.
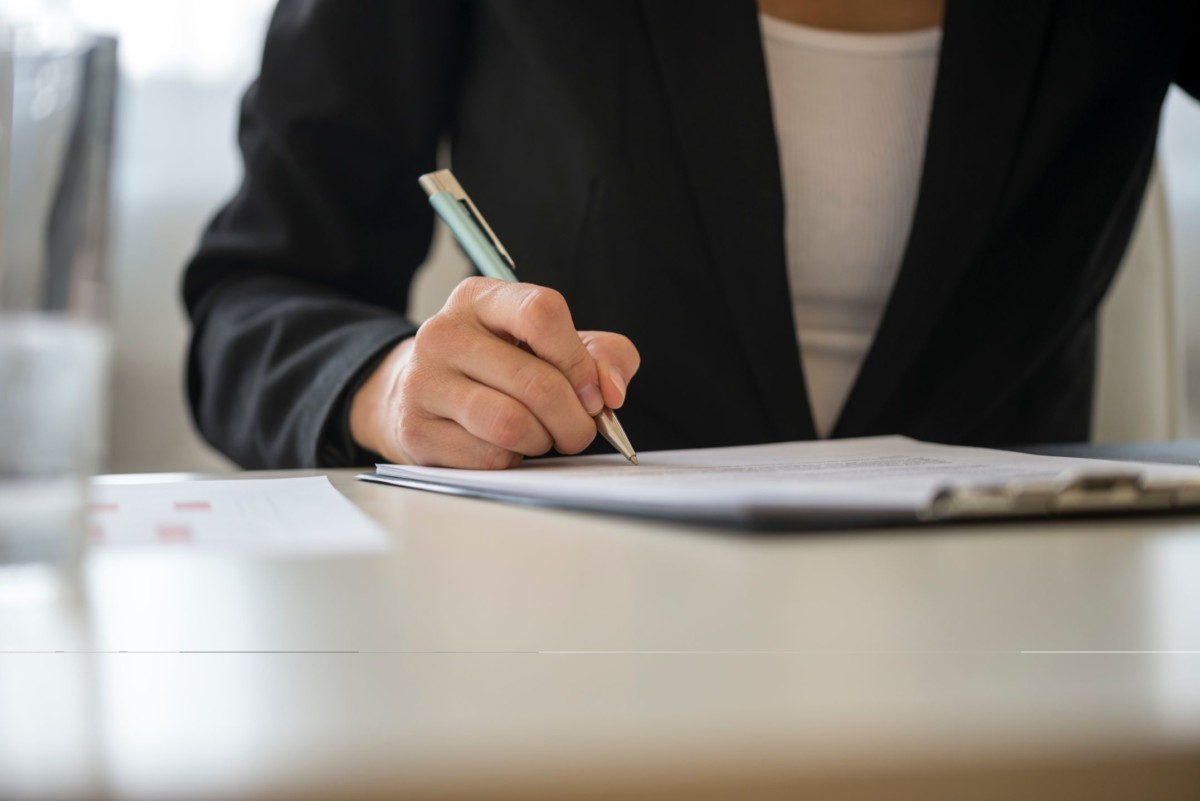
x=444, y=181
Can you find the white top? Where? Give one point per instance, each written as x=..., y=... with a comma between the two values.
x=851, y=115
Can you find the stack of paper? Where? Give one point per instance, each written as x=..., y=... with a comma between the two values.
x=858, y=481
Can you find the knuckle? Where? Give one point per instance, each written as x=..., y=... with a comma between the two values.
x=498, y=459
x=575, y=360
x=543, y=308
x=467, y=290
x=540, y=387
x=412, y=434
x=411, y=384
x=440, y=337
x=476, y=350
x=433, y=332
x=507, y=425
x=576, y=439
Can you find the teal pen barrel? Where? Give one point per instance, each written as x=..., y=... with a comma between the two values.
x=474, y=241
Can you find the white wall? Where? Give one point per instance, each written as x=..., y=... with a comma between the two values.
x=184, y=66
x=174, y=162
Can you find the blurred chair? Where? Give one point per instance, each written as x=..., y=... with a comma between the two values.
x=1139, y=384
x=77, y=229
x=56, y=216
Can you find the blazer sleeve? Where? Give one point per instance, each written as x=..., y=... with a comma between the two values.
x=298, y=285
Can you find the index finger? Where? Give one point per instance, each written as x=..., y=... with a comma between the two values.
x=538, y=317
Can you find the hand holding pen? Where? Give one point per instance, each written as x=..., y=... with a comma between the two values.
x=498, y=374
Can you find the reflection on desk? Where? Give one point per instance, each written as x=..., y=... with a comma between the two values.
x=506, y=652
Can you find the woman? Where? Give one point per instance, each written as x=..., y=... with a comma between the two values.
x=799, y=232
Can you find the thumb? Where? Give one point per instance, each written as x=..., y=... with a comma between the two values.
x=617, y=360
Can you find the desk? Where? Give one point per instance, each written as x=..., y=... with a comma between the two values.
x=506, y=652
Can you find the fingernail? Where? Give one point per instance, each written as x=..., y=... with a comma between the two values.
x=618, y=380
x=591, y=399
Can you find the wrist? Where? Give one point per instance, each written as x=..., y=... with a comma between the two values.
x=373, y=406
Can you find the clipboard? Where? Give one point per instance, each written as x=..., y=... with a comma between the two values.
x=854, y=483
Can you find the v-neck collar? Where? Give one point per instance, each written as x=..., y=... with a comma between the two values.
x=712, y=67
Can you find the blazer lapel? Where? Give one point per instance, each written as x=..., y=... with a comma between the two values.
x=714, y=78
x=988, y=68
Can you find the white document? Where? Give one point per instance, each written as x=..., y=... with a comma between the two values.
x=271, y=516
x=877, y=479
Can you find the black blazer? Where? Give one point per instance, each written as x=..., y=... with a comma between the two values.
x=624, y=151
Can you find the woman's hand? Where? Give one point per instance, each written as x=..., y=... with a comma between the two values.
x=498, y=374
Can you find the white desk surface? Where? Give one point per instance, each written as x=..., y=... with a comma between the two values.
x=506, y=652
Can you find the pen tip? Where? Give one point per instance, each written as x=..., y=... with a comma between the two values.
x=633, y=458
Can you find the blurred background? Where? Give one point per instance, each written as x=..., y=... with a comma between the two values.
x=183, y=66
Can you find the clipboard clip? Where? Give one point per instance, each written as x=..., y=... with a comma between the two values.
x=1077, y=493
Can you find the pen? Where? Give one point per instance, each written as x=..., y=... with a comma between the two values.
x=477, y=238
